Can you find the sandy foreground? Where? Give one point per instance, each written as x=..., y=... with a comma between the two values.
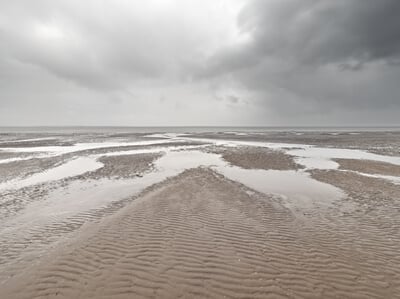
x=189, y=223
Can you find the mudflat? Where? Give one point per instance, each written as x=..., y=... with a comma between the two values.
x=191, y=218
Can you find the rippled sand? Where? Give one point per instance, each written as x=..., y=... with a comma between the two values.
x=203, y=222
x=200, y=235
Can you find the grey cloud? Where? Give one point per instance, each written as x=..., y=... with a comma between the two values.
x=173, y=62
x=106, y=48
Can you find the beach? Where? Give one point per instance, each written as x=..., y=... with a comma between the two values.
x=210, y=214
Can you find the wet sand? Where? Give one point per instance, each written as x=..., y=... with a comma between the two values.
x=183, y=220
x=371, y=167
x=258, y=158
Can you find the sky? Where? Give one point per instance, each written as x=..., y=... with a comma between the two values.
x=199, y=63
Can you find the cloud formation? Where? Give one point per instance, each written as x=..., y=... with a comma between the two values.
x=185, y=62
x=323, y=32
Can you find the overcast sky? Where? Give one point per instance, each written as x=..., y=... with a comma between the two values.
x=192, y=62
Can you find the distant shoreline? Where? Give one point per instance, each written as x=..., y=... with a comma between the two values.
x=182, y=129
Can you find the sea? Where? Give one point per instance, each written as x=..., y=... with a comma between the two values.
x=194, y=129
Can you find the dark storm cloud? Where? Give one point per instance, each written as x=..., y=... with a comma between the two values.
x=307, y=56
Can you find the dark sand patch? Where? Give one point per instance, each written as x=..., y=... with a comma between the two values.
x=259, y=158
x=366, y=190
x=199, y=235
x=367, y=166
x=123, y=166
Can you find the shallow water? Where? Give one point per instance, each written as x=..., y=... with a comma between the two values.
x=59, y=150
x=316, y=163
x=319, y=154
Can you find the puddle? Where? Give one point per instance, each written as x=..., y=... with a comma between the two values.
x=316, y=163
x=299, y=190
